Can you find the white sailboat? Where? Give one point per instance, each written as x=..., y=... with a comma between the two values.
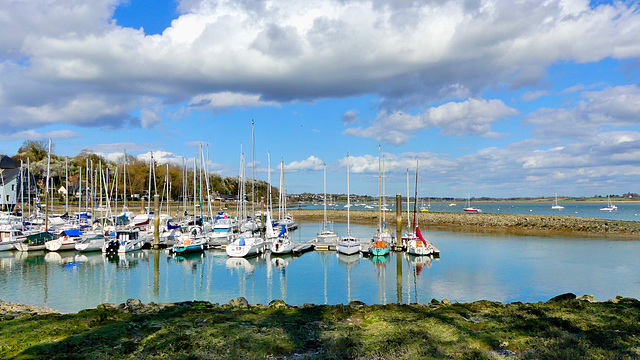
x=416, y=243
x=610, y=207
x=280, y=242
x=348, y=244
x=555, y=205
x=326, y=235
x=245, y=246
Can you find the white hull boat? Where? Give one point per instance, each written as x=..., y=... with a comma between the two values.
x=418, y=248
x=91, y=242
x=348, y=245
x=125, y=241
x=60, y=244
x=245, y=247
x=282, y=245
x=610, y=207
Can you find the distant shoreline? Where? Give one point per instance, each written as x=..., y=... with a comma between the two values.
x=485, y=222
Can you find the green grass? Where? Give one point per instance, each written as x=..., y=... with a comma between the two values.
x=199, y=330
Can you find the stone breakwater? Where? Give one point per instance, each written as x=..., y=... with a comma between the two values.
x=569, y=225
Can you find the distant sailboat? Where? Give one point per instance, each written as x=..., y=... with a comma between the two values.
x=610, y=206
x=470, y=208
x=555, y=205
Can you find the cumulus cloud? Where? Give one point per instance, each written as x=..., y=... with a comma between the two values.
x=311, y=163
x=410, y=55
x=615, y=106
x=470, y=117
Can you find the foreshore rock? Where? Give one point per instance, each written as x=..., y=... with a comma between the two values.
x=17, y=310
x=569, y=225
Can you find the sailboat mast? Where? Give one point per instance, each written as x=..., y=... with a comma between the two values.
x=415, y=204
x=409, y=202
x=269, y=203
x=66, y=179
x=124, y=180
x=46, y=199
x=379, y=190
x=253, y=169
x=324, y=165
x=29, y=186
x=348, y=200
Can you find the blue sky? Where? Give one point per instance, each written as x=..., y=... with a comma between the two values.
x=493, y=98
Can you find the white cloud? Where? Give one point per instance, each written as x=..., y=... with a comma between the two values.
x=34, y=135
x=290, y=50
x=311, y=163
x=615, y=106
x=533, y=95
x=470, y=117
x=227, y=99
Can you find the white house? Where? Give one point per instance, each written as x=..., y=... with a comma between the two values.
x=10, y=183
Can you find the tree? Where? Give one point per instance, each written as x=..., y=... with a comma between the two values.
x=34, y=150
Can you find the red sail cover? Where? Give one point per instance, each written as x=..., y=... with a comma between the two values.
x=419, y=234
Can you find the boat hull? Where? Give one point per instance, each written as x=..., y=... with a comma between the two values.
x=282, y=246
x=348, y=249
x=8, y=245
x=245, y=247
x=29, y=247
x=418, y=249
x=379, y=251
x=60, y=245
x=186, y=249
x=90, y=246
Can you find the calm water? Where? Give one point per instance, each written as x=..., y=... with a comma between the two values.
x=626, y=211
x=473, y=266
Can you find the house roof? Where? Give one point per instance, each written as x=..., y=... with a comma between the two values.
x=8, y=163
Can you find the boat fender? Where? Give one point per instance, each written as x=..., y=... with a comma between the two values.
x=241, y=242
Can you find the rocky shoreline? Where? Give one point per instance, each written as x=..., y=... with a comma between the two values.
x=567, y=225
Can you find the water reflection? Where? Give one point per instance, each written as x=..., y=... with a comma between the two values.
x=349, y=261
x=475, y=266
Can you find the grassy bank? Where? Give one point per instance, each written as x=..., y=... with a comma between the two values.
x=565, y=329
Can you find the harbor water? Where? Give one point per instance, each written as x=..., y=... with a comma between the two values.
x=628, y=211
x=472, y=266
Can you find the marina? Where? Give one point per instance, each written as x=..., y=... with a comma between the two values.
x=472, y=266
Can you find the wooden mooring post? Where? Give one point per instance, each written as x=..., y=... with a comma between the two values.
x=156, y=221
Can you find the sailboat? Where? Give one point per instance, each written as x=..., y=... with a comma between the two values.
x=247, y=244
x=470, y=208
x=424, y=208
x=193, y=240
x=326, y=235
x=555, y=205
x=383, y=237
x=348, y=244
x=610, y=207
x=416, y=244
